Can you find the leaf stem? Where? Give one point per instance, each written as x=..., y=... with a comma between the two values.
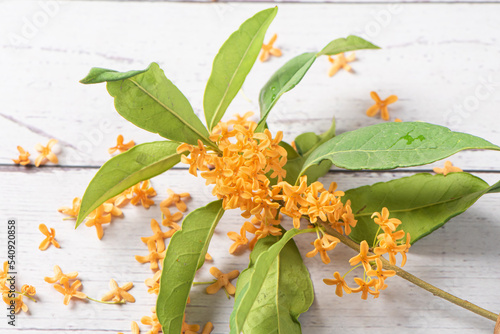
x=417, y=281
x=103, y=302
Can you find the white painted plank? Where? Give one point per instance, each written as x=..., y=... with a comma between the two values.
x=445, y=71
x=460, y=258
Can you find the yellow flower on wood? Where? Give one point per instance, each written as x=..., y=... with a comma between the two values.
x=50, y=237
x=269, y=49
x=46, y=153
x=118, y=293
x=340, y=62
x=120, y=146
x=448, y=168
x=159, y=236
x=23, y=157
x=73, y=211
x=169, y=219
x=339, y=282
x=189, y=329
x=223, y=281
x=153, y=322
x=153, y=283
x=97, y=218
x=70, y=291
x=380, y=105
x=208, y=328
x=18, y=303
x=59, y=275
x=176, y=199
x=142, y=192
x=28, y=289
x=239, y=239
x=153, y=257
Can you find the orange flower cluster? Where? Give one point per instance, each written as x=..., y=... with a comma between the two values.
x=8, y=291
x=390, y=242
x=68, y=290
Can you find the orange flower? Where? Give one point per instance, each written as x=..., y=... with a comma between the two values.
x=223, y=281
x=18, y=302
x=339, y=282
x=448, y=168
x=120, y=146
x=208, y=328
x=363, y=256
x=159, y=236
x=142, y=192
x=73, y=211
x=153, y=322
x=124, y=197
x=3, y=273
x=364, y=287
x=321, y=246
x=380, y=105
x=23, y=157
x=268, y=49
x=383, y=220
x=46, y=153
x=28, y=289
x=340, y=62
x=388, y=244
x=50, y=237
x=239, y=239
x=189, y=329
x=169, y=219
x=397, y=120
x=118, y=294
x=59, y=275
x=380, y=273
x=97, y=218
x=153, y=257
x=176, y=199
x=70, y=291
x=153, y=283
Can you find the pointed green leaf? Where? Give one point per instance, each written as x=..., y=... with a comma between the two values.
x=121, y=172
x=351, y=43
x=249, y=296
x=185, y=255
x=283, y=80
x=233, y=63
x=290, y=74
x=152, y=102
x=392, y=145
x=423, y=202
x=287, y=291
x=98, y=75
x=309, y=141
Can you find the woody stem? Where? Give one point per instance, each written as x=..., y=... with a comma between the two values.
x=417, y=281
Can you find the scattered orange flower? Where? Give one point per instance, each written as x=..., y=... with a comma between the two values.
x=175, y=199
x=28, y=289
x=97, y=218
x=117, y=294
x=153, y=283
x=50, y=237
x=18, y=302
x=169, y=219
x=23, y=157
x=340, y=62
x=239, y=239
x=120, y=146
x=153, y=322
x=269, y=49
x=223, y=281
x=153, y=257
x=380, y=105
x=397, y=120
x=46, y=153
x=59, y=275
x=70, y=291
x=208, y=328
x=142, y=191
x=189, y=329
x=448, y=168
x=73, y=211
x=159, y=236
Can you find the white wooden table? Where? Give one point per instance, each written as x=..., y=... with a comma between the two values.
x=440, y=59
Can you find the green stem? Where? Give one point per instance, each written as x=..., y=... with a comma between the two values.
x=26, y=295
x=103, y=302
x=417, y=281
x=200, y=283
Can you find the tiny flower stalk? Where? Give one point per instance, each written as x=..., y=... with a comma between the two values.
x=417, y=281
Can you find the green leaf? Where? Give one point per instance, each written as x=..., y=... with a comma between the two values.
x=233, y=63
x=423, y=202
x=287, y=291
x=251, y=295
x=294, y=165
x=98, y=75
x=283, y=80
x=290, y=74
x=391, y=145
x=185, y=255
x=309, y=141
x=351, y=43
x=121, y=172
x=154, y=103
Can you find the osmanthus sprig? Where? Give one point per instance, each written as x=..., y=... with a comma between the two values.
x=253, y=170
